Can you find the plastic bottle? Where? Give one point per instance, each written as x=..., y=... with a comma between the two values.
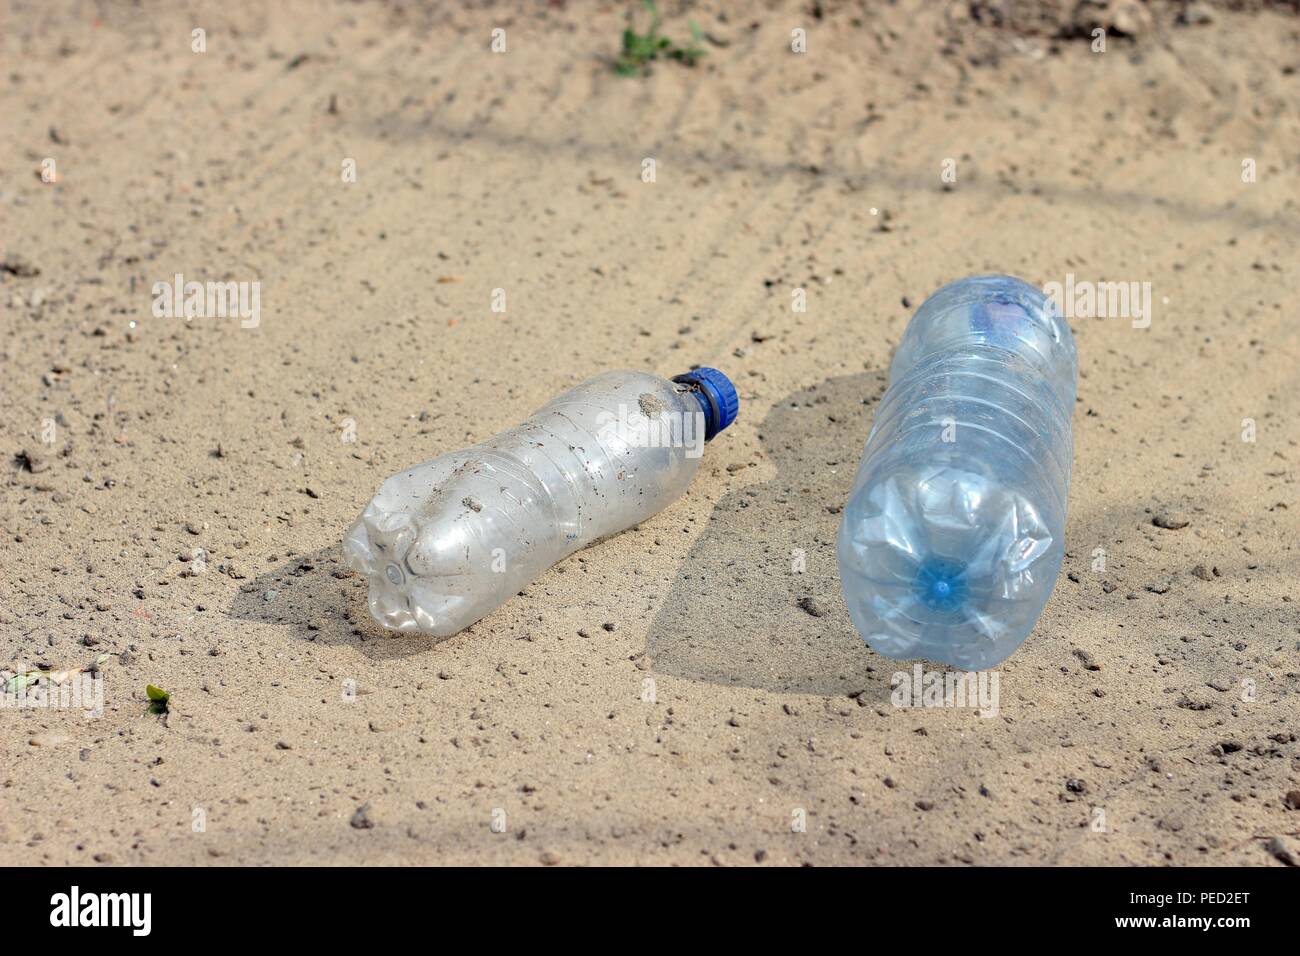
x=954, y=531
x=446, y=542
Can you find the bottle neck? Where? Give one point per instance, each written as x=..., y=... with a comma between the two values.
x=715, y=395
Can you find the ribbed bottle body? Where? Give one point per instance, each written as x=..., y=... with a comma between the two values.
x=954, y=531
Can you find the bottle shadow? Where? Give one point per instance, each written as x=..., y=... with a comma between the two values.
x=321, y=599
x=757, y=601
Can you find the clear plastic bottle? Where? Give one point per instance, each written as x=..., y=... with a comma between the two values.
x=954, y=532
x=446, y=542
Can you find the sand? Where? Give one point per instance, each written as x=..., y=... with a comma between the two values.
x=175, y=491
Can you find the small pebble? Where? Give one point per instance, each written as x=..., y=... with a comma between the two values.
x=1282, y=851
x=1089, y=663
x=361, y=818
x=812, y=607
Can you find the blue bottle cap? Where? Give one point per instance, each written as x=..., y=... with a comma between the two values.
x=717, y=397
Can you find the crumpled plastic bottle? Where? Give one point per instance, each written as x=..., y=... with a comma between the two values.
x=448, y=541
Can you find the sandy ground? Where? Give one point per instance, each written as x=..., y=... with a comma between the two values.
x=1151, y=717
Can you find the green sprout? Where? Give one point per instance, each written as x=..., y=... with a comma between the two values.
x=640, y=48
x=157, y=699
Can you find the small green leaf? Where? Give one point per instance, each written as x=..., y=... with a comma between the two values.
x=157, y=694
x=157, y=699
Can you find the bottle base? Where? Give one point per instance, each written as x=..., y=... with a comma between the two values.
x=947, y=566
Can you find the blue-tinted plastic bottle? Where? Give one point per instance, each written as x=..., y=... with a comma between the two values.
x=954, y=532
